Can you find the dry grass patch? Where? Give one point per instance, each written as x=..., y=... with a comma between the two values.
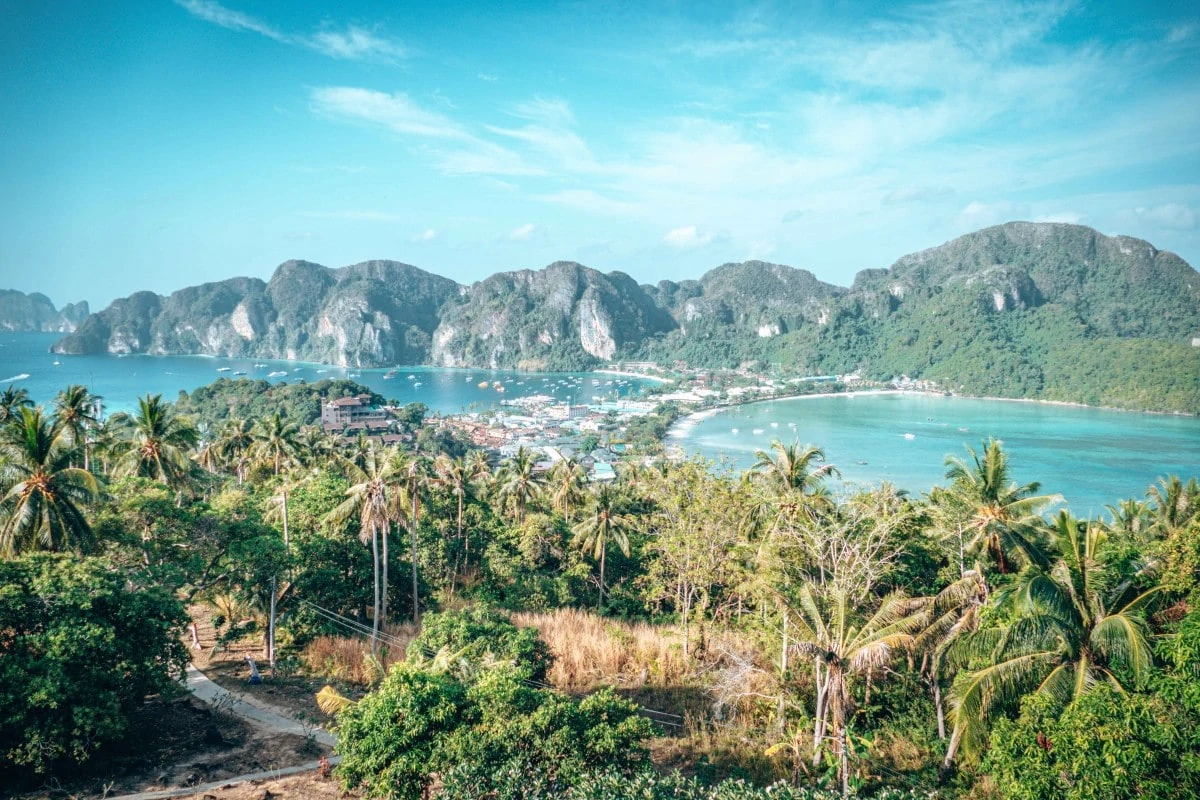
x=345, y=658
x=590, y=651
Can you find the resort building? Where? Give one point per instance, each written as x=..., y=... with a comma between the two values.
x=352, y=411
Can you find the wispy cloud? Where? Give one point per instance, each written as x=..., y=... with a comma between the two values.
x=354, y=43
x=396, y=112
x=523, y=232
x=687, y=236
x=427, y=235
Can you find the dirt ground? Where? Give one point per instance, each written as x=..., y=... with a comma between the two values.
x=173, y=743
x=310, y=786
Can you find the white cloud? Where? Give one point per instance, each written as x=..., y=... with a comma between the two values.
x=1169, y=215
x=522, y=233
x=394, y=111
x=590, y=202
x=483, y=76
x=1180, y=33
x=687, y=236
x=1071, y=217
x=355, y=43
x=427, y=236
x=977, y=213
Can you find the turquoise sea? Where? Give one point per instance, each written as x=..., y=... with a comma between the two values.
x=1092, y=457
x=26, y=361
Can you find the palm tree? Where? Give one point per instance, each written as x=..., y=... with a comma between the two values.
x=792, y=468
x=603, y=525
x=842, y=649
x=43, y=494
x=12, y=400
x=155, y=442
x=234, y=445
x=315, y=445
x=275, y=442
x=458, y=475
x=1173, y=503
x=520, y=480
x=1004, y=519
x=566, y=486
x=367, y=499
x=1070, y=632
x=76, y=410
x=411, y=476
x=952, y=616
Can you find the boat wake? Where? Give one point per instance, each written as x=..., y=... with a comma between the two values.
x=20, y=377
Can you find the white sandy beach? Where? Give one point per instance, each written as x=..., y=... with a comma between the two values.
x=654, y=378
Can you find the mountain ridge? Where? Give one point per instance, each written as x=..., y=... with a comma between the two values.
x=990, y=310
x=36, y=312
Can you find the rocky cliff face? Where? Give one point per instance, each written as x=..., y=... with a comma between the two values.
x=35, y=312
x=375, y=313
x=994, y=303
x=565, y=316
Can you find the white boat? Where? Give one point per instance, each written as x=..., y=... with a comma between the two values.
x=416, y=384
x=757, y=431
x=910, y=436
x=774, y=424
x=277, y=373
x=56, y=363
x=412, y=377
x=733, y=430
x=222, y=369
x=239, y=372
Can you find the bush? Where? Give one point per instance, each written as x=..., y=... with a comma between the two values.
x=80, y=651
x=497, y=735
x=651, y=786
x=479, y=635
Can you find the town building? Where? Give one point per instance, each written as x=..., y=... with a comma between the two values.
x=356, y=412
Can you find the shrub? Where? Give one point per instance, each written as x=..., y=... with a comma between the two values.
x=78, y=652
x=481, y=634
x=497, y=735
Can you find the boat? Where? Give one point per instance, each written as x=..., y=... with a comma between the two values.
x=497, y=385
x=239, y=372
x=500, y=389
x=963, y=430
x=757, y=431
x=910, y=436
x=222, y=369
x=277, y=374
x=387, y=376
x=416, y=384
x=733, y=430
x=412, y=377
x=56, y=363
x=260, y=366
x=774, y=424
x=483, y=384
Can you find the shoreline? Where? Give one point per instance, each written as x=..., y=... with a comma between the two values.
x=638, y=375
x=685, y=424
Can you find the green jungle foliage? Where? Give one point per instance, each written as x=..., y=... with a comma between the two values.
x=246, y=398
x=79, y=650
x=972, y=642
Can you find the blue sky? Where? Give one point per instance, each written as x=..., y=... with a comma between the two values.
x=160, y=144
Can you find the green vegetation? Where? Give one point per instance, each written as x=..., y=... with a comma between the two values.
x=244, y=398
x=758, y=632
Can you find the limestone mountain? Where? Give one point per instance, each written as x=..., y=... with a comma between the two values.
x=377, y=312
x=565, y=316
x=35, y=312
x=1018, y=310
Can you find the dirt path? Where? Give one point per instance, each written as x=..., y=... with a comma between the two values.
x=248, y=708
x=259, y=716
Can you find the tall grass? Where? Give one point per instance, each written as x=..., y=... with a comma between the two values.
x=348, y=659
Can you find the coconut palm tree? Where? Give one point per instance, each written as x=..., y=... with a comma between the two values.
x=76, y=410
x=791, y=468
x=951, y=617
x=1070, y=631
x=43, y=495
x=275, y=442
x=843, y=648
x=458, y=476
x=1005, y=521
x=315, y=445
x=155, y=442
x=1173, y=503
x=368, y=500
x=233, y=446
x=520, y=481
x=565, y=486
x=410, y=475
x=603, y=525
x=12, y=400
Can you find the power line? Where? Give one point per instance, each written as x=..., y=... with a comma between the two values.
x=365, y=630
